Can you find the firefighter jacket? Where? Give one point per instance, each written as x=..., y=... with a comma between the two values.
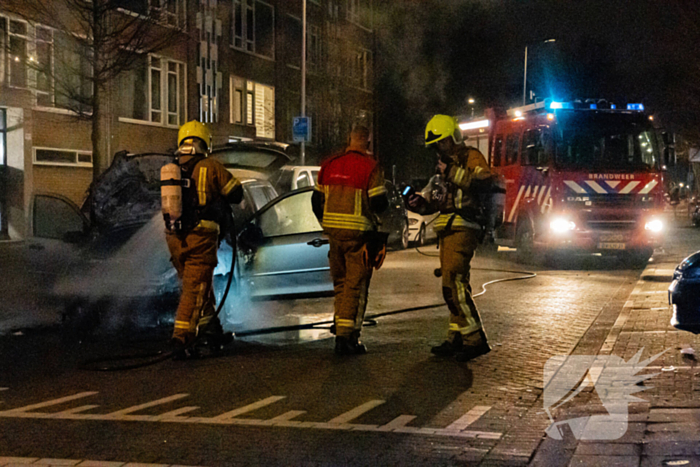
x=214, y=189
x=457, y=199
x=349, y=193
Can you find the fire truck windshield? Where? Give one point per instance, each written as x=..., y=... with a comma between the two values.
x=610, y=141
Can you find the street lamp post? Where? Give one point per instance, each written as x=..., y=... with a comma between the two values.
x=525, y=70
x=471, y=102
x=303, y=76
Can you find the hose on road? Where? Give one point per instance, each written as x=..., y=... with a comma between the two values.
x=129, y=362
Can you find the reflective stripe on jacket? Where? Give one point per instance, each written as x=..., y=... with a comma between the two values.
x=348, y=182
x=468, y=164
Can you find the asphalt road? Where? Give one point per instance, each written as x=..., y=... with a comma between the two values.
x=286, y=399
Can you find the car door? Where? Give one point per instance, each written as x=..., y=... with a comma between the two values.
x=59, y=233
x=291, y=255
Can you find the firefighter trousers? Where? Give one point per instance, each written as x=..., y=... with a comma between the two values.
x=456, y=252
x=194, y=257
x=351, y=278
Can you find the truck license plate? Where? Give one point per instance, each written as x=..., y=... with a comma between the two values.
x=612, y=238
x=611, y=246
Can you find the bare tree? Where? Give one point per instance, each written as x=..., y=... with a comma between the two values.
x=99, y=40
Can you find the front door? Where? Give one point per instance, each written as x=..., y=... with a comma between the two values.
x=293, y=255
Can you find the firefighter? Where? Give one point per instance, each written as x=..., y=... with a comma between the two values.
x=193, y=239
x=461, y=173
x=349, y=194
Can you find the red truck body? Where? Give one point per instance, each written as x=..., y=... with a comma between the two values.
x=576, y=179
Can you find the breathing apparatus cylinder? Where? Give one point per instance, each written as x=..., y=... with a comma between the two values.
x=171, y=195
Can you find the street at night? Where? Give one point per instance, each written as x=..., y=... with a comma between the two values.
x=286, y=399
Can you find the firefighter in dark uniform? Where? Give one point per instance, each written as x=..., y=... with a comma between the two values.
x=461, y=172
x=194, y=241
x=349, y=193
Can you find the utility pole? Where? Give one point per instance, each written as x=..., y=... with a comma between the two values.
x=303, y=75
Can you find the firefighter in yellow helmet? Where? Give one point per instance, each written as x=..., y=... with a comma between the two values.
x=349, y=194
x=193, y=234
x=460, y=173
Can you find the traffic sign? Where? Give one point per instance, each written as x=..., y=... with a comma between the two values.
x=301, y=129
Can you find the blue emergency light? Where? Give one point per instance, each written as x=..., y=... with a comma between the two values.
x=637, y=107
x=560, y=105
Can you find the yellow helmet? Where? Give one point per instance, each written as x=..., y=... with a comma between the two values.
x=440, y=127
x=194, y=129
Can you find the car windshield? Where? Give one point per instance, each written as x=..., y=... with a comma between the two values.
x=605, y=141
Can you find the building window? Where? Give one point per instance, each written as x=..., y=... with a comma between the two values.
x=293, y=35
x=50, y=156
x=44, y=66
x=358, y=12
x=361, y=69
x=18, y=40
x=254, y=104
x=155, y=91
x=253, y=27
x=72, y=77
x=313, y=46
x=170, y=12
x=3, y=47
x=237, y=103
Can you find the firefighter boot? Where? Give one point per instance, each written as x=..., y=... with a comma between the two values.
x=448, y=348
x=349, y=346
x=470, y=352
x=182, y=351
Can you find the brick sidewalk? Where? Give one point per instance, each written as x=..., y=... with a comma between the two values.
x=665, y=429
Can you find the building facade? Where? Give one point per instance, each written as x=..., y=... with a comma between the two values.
x=236, y=65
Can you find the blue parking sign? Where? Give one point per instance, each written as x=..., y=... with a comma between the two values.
x=301, y=129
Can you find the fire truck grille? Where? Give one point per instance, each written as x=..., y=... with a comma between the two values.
x=612, y=225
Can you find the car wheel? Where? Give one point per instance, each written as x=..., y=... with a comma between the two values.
x=404, y=235
x=420, y=239
x=525, y=243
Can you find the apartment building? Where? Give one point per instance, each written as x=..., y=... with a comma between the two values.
x=235, y=64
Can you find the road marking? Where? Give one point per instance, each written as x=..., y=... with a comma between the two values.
x=249, y=408
x=397, y=425
x=399, y=422
x=41, y=405
x=177, y=412
x=87, y=463
x=468, y=418
x=285, y=417
x=147, y=405
x=356, y=412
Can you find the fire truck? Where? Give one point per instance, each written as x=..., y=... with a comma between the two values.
x=578, y=177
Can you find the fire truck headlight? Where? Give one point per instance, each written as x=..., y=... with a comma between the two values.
x=654, y=225
x=561, y=225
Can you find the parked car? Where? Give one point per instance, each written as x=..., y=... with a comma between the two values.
x=684, y=294
x=293, y=177
x=420, y=228
x=282, y=250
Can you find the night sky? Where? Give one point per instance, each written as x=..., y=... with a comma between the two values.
x=434, y=54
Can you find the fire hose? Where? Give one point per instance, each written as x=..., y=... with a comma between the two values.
x=129, y=362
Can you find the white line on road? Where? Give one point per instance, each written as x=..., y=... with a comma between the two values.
x=468, y=418
x=249, y=408
x=147, y=405
x=397, y=425
x=356, y=412
x=41, y=405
